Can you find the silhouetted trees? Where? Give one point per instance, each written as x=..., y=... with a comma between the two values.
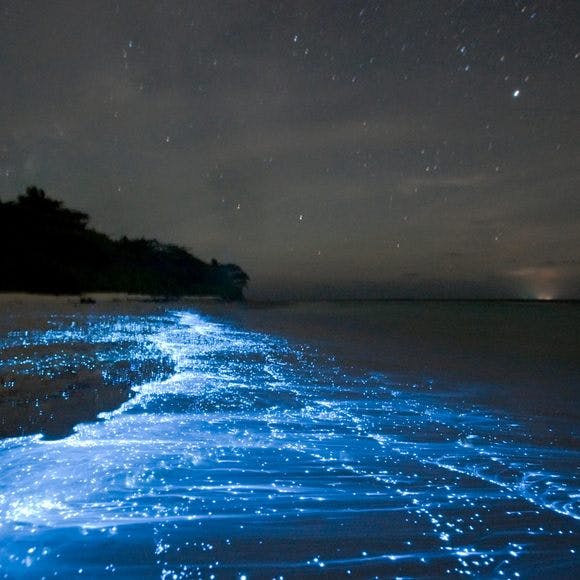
x=45, y=247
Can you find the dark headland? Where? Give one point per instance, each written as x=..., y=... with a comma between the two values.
x=50, y=249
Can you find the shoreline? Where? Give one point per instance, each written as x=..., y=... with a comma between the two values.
x=482, y=360
x=98, y=297
x=254, y=303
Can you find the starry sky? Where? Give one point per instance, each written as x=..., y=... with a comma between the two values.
x=339, y=148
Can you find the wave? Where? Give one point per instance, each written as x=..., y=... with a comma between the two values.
x=258, y=456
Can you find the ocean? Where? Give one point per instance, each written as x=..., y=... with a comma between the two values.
x=352, y=439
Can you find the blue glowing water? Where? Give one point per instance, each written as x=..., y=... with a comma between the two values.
x=259, y=458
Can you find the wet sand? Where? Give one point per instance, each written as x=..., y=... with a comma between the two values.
x=55, y=373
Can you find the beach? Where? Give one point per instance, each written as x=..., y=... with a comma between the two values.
x=335, y=439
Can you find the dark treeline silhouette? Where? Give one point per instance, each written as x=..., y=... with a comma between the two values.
x=47, y=248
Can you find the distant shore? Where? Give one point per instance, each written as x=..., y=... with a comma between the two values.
x=28, y=297
x=255, y=303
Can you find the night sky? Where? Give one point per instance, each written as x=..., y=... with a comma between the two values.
x=331, y=149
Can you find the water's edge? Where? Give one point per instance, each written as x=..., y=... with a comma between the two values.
x=256, y=457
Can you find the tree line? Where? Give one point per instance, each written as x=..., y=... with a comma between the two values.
x=48, y=248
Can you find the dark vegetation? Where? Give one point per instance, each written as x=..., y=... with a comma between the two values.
x=47, y=248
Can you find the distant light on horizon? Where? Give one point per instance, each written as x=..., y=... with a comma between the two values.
x=543, y=282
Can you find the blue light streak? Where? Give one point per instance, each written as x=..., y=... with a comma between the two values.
x=256, y=457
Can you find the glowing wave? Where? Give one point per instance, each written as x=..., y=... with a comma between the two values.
x=258, y=458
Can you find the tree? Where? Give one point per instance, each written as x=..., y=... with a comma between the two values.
x=50, y=248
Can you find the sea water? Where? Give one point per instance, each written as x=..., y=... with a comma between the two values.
x=254, y=456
